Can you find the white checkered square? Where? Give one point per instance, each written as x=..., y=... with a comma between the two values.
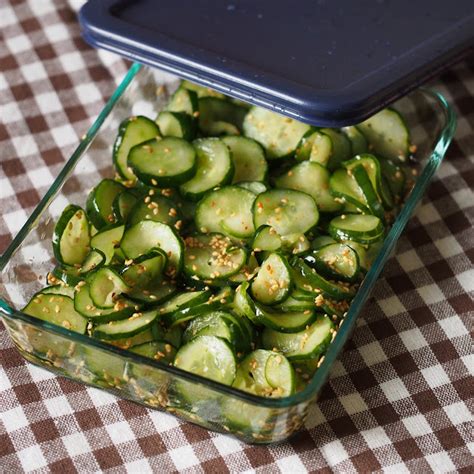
x=183, y=457
x=394, y=390
x=417, y=425
x=413, y=339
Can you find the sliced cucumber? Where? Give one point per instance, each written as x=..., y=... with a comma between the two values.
x=84, y=305
x=214, y=168
x=100, y=200
x=125, y=328
x=71, y=237
x=212, y=257
x=373, y=170
x=321, y=241
x=267, y=239
x=265, y=373
x=307, y=279
x=184, y=100
x=255, y=187
x=145, y=270
x=395, y=177
x=363, y=229
x=278, y=134
x=387, y=134
x=315, y=146
x=373, y=202
x=337, y=261
x=132, y=131
x=341, y=147
x=208, y=356
x=227, y=210
x=287, y=211
x=312, y=179
x=157, y=350
x=343, y=186
x=213, y=110
x=122, y=205
x=68, y=275
x=176, y=124
x=58, y=290
x=358, y=141
x=105, y=286
x=154, y=294
x=164, y=162
x=307, y=344
x=273, y=281
x=248, y=157
x=56, y=309
x=184, y=300
x=293, y=321
x=243, y=304
x=146, y=235
x=107, y=240
x=201, y=91
x=156, y=208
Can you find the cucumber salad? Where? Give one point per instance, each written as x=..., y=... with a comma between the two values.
x=231, y=241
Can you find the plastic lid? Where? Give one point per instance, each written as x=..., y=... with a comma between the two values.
x=328, y=63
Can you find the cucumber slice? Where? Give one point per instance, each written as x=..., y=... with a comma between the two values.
x=395, y=178
x=208, y=356
x=315, y=146
x=201, y=91
x=255, y=187
x=107, y=241
x=287, y=211
x=156, y=294
x=146, y=235
x=322, y=241
x=105, y=286
x=145, y=270
x=69, y=275
x=93, y=261
x=125, y=328
x=56, y=309
x=358, y=141
x=265, y=373
x=214, y=168
x=163, y=162
x=248, y=157
x=139, y=338
x=157, y=350
x=337, y=261
x=58, y=290
x=273, y=281
x=184, y=300
x=341, y=147
x=278, y=134
x=213, y=110
x=215, y=323
x=308, y=280
x=71, y=237
x=212, y=257
x=132, y=131
x=243, y=304
x=372, y=167
x=343, y=186
x=293, y=321
x=307, y=344
x=176, y=124
x=387, y=134
x=313, y=179
x=227, y=210
x=293, y=305
x=156, y=208
x=362, y=178
x=184, y=100
x=267, y=239
x=99, y=202
x=122, y=205
x=84, y=305
x=364, y=229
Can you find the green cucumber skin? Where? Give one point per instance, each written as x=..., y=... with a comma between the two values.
x=94, y=210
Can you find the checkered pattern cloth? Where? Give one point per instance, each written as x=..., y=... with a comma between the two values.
x=400, y=395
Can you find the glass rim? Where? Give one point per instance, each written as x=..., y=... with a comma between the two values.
x=445, y=136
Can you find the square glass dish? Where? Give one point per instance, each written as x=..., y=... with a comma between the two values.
x=152, y=383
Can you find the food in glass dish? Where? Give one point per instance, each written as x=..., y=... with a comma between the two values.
x=230, y=242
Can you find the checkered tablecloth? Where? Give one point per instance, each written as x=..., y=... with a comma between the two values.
x=399, y=397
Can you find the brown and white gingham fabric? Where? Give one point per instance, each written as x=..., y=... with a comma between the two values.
x=399, y=398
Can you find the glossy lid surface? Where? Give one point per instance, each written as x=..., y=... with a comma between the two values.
x=325, y=62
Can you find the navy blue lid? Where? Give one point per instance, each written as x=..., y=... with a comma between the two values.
x=328, y=63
